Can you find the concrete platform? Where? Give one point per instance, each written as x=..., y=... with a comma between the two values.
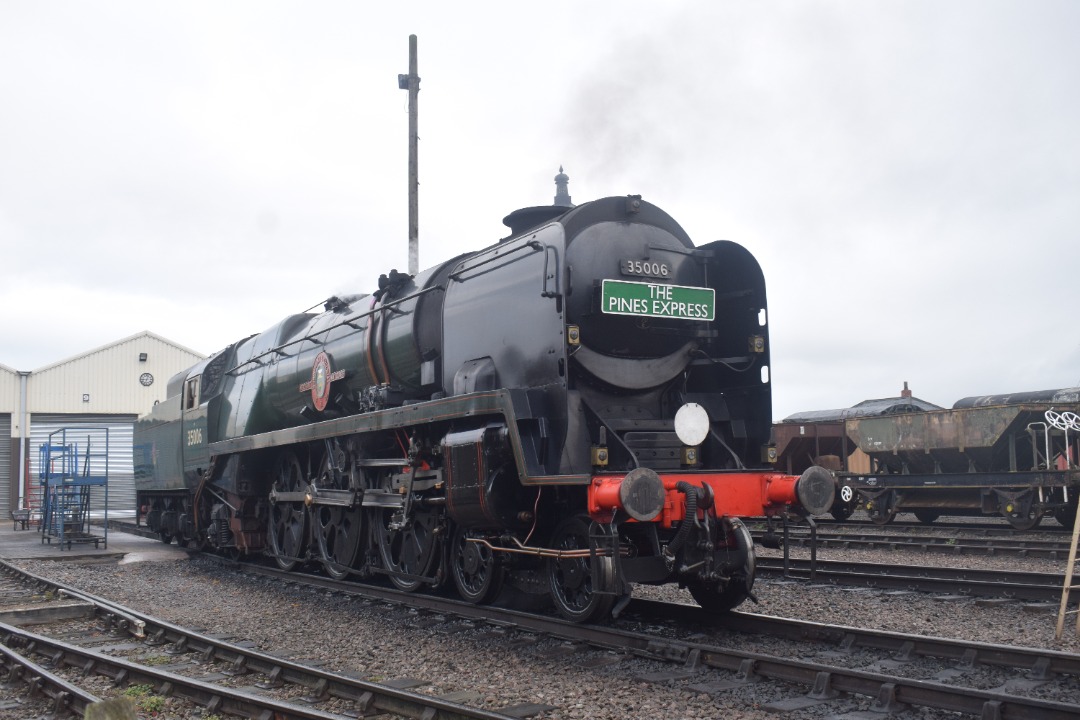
x=122, y=547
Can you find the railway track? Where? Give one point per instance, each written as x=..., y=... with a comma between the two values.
x=889, y=668
x=1010, y=584
x=56, y=695
x=96, y=637
x=989, y=527
x=958, y=544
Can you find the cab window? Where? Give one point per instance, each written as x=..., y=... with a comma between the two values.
x=191, y=393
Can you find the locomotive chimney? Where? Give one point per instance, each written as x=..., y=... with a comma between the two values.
x=562, y=194
x=905, y=393
x=524, y=218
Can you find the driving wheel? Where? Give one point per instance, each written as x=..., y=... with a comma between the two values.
x=288, y=523
x=338, y=530
x=408, y=544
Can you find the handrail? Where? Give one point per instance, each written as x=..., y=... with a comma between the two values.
x=384, y=306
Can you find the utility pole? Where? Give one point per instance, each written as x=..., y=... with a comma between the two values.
x=411, y=82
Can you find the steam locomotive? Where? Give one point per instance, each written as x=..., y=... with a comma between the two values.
x=582, y=406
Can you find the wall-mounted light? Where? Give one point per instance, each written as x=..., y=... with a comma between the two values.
x=86, y=397
x=142, y=357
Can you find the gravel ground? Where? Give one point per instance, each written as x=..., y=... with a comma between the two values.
x=380, y=644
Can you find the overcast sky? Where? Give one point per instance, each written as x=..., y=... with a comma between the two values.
x=907, y=173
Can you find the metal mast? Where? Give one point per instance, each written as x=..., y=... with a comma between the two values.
x=411, y=82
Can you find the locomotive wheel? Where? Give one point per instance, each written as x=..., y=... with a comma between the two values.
x=338, y=530
x=570, y=580
x=288, y=520
x=159, y=508
x=196, y=539
x=741, y=582
x=926, y=517
x=407, y=546
x=477, y=575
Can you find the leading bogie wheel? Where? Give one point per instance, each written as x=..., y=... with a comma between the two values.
x=288, y=523
x=580, y=594
x=740, y=579
x=477, y=573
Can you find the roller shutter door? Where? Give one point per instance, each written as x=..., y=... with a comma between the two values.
x=6, y=481
x=120, y=472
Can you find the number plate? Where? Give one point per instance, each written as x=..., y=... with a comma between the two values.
x=644, y=268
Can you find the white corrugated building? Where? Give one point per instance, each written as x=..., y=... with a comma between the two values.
x=108, y=387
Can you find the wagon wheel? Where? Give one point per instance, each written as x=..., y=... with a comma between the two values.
x=477, y=575
x=1020, y=520
x=288, y=524
x=1066, y=516
x=408, y=546
x=882, y=518
x=926, y=517
x=714, y=599
x=881, y=510
x=339, y=531
x=570, y=580
x=841, y=512
x=844, y=505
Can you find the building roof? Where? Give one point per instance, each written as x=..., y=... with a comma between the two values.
x=136, y=336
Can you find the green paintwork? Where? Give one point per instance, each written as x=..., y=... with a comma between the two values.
x=193, y=439
x=498, y=403
x=156, y=452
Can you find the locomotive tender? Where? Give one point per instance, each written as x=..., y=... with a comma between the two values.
x=582, y=406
